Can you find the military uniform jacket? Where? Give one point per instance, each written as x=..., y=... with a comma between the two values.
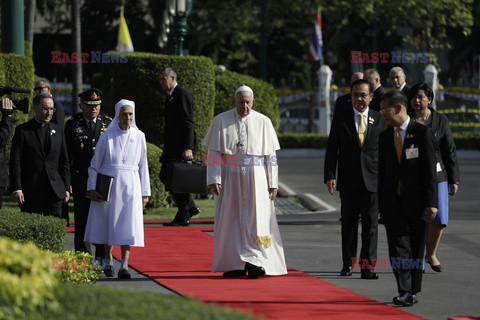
x=81, y=144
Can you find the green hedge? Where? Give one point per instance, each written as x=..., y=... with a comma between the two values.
x=226, y=82
x=28, y=282
x=81, y=301
x=159, y=195
x=46, y=232
x=302, y=140
x=138, y=80
x=17, y=71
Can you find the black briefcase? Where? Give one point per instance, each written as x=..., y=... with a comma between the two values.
x=186, y=177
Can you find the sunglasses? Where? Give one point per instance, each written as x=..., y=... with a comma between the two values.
x=39, y=88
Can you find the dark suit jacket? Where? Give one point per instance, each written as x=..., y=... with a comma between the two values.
x=377, y=96
x=405, y=90
x=179, y=130
x=343, y=104
x=31, y=169
x=446, y=152
x=354, y=163
x=59, y=114
x=417, y=176
x=6, y=126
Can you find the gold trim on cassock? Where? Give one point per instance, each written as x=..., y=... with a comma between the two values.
x=265, y=241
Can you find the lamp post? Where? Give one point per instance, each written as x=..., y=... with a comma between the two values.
x=179, y=10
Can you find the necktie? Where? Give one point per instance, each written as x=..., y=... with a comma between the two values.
x=398, y=143
x=91, y=125
x=398, y=149
x=361, y=129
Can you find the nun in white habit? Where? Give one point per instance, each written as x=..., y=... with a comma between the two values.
x=242, y=172
x=121, y=152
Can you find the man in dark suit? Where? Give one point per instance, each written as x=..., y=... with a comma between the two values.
x=39, y=170
x=179, y=140
x=344, y=103
x=373, y=77
x=353, y=145
x=42, y=85
x=82, y=132
x=6, y=127
x=407, y=192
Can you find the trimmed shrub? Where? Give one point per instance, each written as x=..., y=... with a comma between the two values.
x=302, y=140
x=46, y=232
x=28, y=282
x=138, y=80
x=75, y=267
x=159, y=195
x=17, y=71
x=226, y=82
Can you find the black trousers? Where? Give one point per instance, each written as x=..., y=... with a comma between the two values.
x=406, y=236
x=47, y=203
x=81, y=205
x=184, y=202
x=356, y=204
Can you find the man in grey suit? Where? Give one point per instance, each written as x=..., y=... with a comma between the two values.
x=407, y=192
x=353, y=146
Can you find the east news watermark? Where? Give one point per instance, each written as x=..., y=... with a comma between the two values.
x=394, y=57
x=89, y=57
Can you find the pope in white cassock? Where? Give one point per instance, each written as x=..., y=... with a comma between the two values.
x=121, y=152
x=242, y=172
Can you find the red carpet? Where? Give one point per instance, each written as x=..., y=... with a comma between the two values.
x=180, y=259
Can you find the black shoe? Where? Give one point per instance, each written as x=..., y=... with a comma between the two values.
x=176, y=224
x=124, y=274
x=234, y=274
x=437, y=268
x=193, y=211
x=414, y=298
x=346, y=272
x=369, y=275
x=254, y=271
x=108, y=271
x=404, y=299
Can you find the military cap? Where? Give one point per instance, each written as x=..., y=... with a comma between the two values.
x=92, y=96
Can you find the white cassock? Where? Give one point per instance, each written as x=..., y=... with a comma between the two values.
x=122, y=155
x=246, y=228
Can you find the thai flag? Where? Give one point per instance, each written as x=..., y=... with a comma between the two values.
x=316, y=45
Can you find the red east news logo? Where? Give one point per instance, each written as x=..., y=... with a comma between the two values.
x=96, y=57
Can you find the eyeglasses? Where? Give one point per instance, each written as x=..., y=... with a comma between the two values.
x=39, y=88
x=46, y=110
x=360, y=95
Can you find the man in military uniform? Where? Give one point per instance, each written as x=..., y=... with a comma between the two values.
x=82, y=132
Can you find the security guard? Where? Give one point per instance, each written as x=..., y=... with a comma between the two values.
x=82, y=132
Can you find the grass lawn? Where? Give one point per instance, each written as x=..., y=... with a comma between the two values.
x=206, y=205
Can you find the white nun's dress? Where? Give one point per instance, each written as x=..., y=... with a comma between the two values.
x=122, y=155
